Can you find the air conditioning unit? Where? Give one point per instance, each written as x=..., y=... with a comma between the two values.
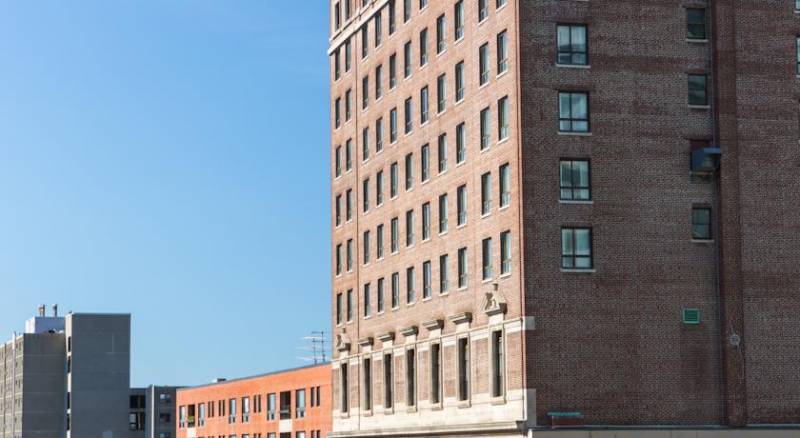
x=706, y=159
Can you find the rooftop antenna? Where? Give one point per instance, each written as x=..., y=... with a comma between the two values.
x=318, y=347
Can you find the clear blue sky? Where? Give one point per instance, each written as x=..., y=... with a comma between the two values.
x=169, y=159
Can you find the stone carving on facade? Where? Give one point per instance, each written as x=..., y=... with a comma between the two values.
x=342, y=342
x=494, y=302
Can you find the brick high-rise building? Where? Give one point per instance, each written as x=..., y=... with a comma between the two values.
x=565, y=212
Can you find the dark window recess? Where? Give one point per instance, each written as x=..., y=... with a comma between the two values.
x=696, y=23
x=701, y=223
x=572, y=44
x=698, y=90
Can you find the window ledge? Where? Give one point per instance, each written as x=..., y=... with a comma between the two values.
x=703, y=241
x=506, y=275
x=578, y=271
x=697, y=40
x=498, y=400
x=427, y=299
x=575, y=66
x=464, y=404
x=575, y=134
x=565, y=201
x=699, y=107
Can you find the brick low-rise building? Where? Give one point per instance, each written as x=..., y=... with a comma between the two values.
x=564, y=212
x=286, y=404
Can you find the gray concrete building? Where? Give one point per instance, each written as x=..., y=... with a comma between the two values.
x=152, y=412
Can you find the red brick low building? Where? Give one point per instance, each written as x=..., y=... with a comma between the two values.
x=286, y=404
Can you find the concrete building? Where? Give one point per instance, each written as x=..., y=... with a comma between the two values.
x=152, y=412
x=565, y=212
x=286, y=404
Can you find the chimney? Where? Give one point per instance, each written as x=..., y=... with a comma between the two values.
x=41, y=310
x=55, y=310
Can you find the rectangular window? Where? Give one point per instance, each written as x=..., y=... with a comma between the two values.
x=394, y=230
x=483, y=10
x=366, y=247
x=426, y=221
x=379, y=294
x=378, y=29
x=365, y=144
x=379, y=242
x=409, y=125
x=442, y=153
x=367, y=304
x=406, y=10
x=572, y=44
x=505, y=185
x=379, y=188
x=486, y=259
x=393, y=179
x=458, y=11
x=576, y=248
x=696, y=23
x=505, y=252
x=345, y=391
x=424, y=163
x=461, y=143
x=378, y=82
x=441, y=93
x=407, y=59
x=411, y=378
x=338, y=160
x=486, y=193
x=232, y=411
x=349, y=305
x=388, y=381
x=502, y=118
x=502, y=52
x=364, y=42
x=460, y=81
x=423, y=105
x=367, y=369
x=349, y=204
x=498, y=364
x=573, y=112
x=575, y=181
x=300, y=403
x=463, y=270
x=338, y=210
x=463, y=369
x=347, y=51
x=501, y=3
x=426, y=279
x=271, y=405
x=440, y=34
x=337, y=112
x=423, y=47
x=392, y=17
x=443, y=273
x=337, y=16
x=461, y=207
x=379, y=135
x=486, y=136
x=423, y=4
x=392, y=71
x=701, y=223
x=411, y=294
x=395, y=290
x=483, y=63
x=393, y=125
x=338, y=312
x=409, y=171
x=348, y=154
x=337, y=65
x=436, y=373
x=348, y=105
x=698, y=92
x=410, y=228
x=442, y=213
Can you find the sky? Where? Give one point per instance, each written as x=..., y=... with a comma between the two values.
x=169, y=159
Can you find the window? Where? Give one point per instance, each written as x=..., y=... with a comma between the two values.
x=409, y=116
x=486, y=193
x=423, y=105
x=245, y=409
x=379, y=296
x=695, y=24
x=502, y=52
x=366, y=247
x=379, y=135
x=337, y=16
x=441, y=93
x=575, y=182
x=485, y=128
x=442, y=153
x=572, y=45
x=423, y=47
x=337, y=112
x=498, y=364
x=424, y=163
x=443, y=273
x=349, y=204
x=367, y=370
x=501, y=3
x=411, y=294
x=347, y=50
x=486, y=259
x=232, y=411
x=379, y=188
x=411, y=378
x=483, y=9
x=388, y=381
x=701, y=223
x=459, y=19
x=378, y=82
x=462, y=268
x=339, y=259
x=364, y=92
x=271, y=397
x=393, y=125
x=460, y=81
x=338, y=310
x=392, y=71
x=338, y=210
x=502, y=118
x=348, y=155
x=347, y=9
x=348, y=105
x=395, y=290
x=426, y=221
x=345, y=392
x=573, y=112
x=379, y=242
x=505, y=185
x=392, y=17
x=407, y=59
x=698, y=94
x=461, y=207
x=337, y=65
x=505, y=252
x=393, y=177
x=406, y=10
x=426, y=279
x=300, y=403
x=576, y=248
x=349, y=305
x=409, y=171
x=483, y=63
x=338, y=161
x=797, y=44
x=440, y=32
x=463, y=369
x=461, y=143
x=423, y=4
x=394, y=231
x=365, y=197
x=410, y=228
x=436, y=373
x=365, y=144
x=364, y=42
x=367, y=304
x=378, y=29
x=442, y=213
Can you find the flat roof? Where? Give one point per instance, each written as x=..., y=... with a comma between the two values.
x=256, y=376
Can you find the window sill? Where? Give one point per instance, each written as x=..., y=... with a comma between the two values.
x=443, y=233
x=578, y=271
x=506, y=275
x=464, y=404
x=487, y=280
x=697, y=40
x=699, y=107
x=569, y=202
x=485, y=215
x=424, y=300
x=367, y=317
x=503, y=140
x=501, y=74
x=497, y=401
x=575, y=66
x=442, y=52
x=703, y=241
x=575, y=134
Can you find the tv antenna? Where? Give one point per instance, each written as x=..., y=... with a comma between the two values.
x=318, y=347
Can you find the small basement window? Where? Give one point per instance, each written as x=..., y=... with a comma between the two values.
x=691, y=316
